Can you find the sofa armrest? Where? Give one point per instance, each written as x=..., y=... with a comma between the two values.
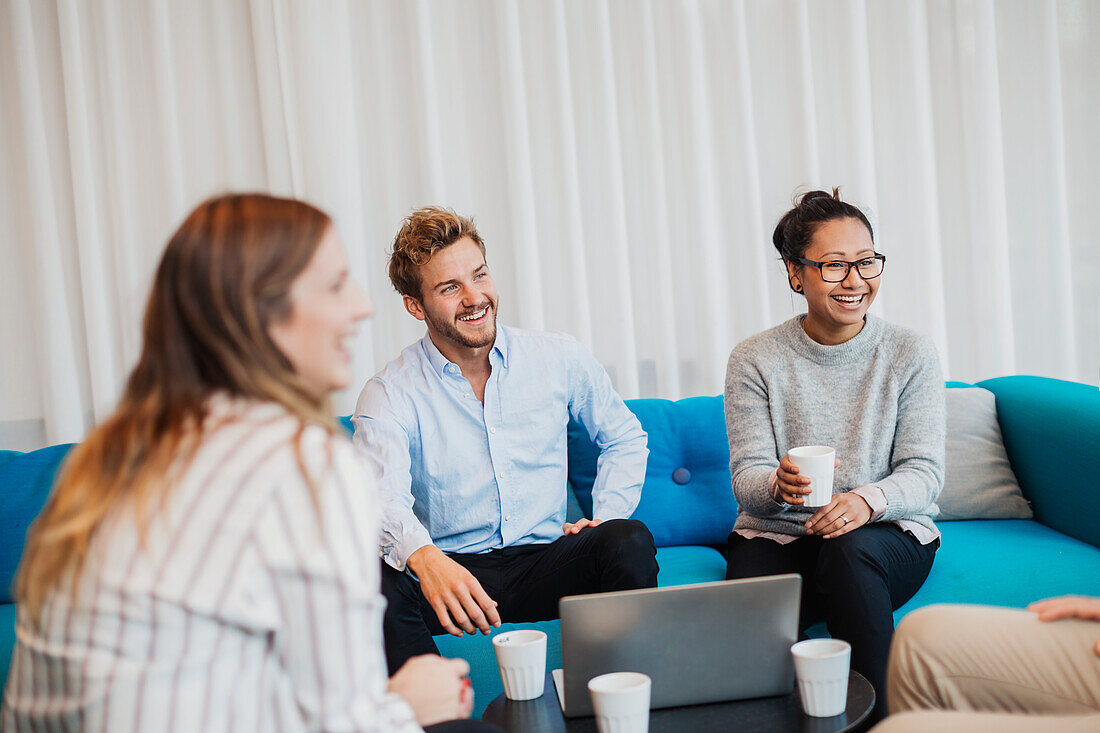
x=1051, y=431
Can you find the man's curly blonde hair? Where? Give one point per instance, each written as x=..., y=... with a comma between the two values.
x=423, y=233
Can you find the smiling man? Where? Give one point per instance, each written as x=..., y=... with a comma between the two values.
x=467, y=428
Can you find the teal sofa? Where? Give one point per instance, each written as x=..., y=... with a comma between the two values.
x=1049, y=427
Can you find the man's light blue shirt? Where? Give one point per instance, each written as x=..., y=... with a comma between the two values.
x=471, y=478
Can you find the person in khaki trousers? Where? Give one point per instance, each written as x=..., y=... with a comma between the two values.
x=978, y=668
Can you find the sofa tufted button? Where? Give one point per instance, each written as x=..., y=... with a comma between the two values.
x=681, y=476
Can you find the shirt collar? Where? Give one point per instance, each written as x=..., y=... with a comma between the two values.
x=501, y=345
x=441, y=363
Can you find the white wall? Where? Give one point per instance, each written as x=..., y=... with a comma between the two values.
x=626, y=162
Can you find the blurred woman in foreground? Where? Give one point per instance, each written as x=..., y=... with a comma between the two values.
x=207, y=560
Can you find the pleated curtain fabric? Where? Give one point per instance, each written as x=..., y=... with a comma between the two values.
x=626, y=161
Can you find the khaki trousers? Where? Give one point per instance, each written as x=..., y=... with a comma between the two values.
x=984, y=662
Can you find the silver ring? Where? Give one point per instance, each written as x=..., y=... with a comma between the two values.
x=846, y=520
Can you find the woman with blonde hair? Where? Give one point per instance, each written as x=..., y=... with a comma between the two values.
x=208, y=559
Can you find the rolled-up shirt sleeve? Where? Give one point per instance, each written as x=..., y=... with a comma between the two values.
x=382, y=436
x=620, y=469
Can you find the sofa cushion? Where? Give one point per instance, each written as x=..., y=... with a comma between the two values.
x=1009, y=562
x=978, y=481
x=689, y=564
x=26, y=480
x=688, y=495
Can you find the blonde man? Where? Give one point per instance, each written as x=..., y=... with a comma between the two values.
x=468, y=430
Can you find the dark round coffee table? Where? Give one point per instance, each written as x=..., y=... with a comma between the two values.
x=780, y=713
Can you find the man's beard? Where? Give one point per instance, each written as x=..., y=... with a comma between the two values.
x=450, y=330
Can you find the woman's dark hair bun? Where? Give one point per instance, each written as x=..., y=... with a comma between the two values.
x=811, y=195
x=796, y=228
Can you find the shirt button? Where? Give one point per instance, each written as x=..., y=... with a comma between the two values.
x=492, y=430
x=466, y=395
x=500, y=475
x=507, y=517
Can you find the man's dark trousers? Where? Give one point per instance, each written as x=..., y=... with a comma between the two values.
x=526, y=581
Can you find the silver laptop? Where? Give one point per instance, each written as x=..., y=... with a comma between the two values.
x=712, y=642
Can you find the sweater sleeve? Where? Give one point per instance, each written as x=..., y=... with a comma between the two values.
x=752, y=442
x=917, y=458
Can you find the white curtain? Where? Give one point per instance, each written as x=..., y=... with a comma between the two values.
x=626, y=161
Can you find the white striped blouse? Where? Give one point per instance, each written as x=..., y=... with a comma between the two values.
x=243, y=612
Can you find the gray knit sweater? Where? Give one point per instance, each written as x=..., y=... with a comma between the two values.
x=878, y=399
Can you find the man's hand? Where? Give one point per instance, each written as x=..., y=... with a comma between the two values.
x=1053, y=609
x=574, y=527
x=453, y=592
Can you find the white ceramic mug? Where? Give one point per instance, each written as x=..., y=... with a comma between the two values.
x=821, y=666
x=815, y=462
x=521, y=656
x=621, y=702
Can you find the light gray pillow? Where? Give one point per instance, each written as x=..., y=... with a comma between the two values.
x=978, y=480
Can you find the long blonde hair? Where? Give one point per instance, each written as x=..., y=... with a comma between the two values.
x=224, y=278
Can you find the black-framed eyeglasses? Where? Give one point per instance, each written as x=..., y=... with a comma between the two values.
x=834, y=271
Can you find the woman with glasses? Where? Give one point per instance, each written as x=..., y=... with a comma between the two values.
x=839, y=377
x=207, y=560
